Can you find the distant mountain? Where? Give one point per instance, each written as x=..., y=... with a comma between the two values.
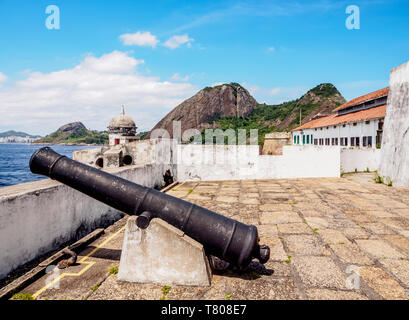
x=12, y=133
x=230, y=106
x=74, y=133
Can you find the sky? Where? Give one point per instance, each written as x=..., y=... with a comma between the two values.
x=82, y=60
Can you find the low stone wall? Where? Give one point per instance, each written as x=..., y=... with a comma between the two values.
x=38, y=217
x=360, y=159
x=219, y=162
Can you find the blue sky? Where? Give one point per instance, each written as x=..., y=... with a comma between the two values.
x=151, y=55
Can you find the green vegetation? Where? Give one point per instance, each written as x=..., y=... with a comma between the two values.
x=95, y=288
x=288, y=260
x=113, y=270
x=142, y=135
x=22, y=296
x=268, y=118
x=325, y=90
x=81, y=136
x=165, y=291
x=254, y=275
x=228, y=296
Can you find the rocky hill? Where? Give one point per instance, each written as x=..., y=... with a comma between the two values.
x=74, y=133
x=230, y=106
x=210, y=103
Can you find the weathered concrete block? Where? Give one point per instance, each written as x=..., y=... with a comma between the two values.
x=162, y=254
x=395, y=142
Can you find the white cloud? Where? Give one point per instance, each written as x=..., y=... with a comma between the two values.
x=91, y=92
x=178, y=77
x=139, y=39
x=176, y=41
x=271, y=49
x=3, y=78
x=275, y=91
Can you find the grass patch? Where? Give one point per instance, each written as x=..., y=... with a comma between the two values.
x=254, y=275
x=113, y=270
x=95, y=288
x=22, y=296
x=165, y=291
x=189, y=191
x=228, y=296
x=288, y=260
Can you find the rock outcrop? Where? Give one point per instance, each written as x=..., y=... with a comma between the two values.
x=210, y=103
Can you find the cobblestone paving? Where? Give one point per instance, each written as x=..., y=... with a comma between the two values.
x=321, y=231
x=344, y=238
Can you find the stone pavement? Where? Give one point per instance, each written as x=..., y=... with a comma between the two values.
x=345, y=238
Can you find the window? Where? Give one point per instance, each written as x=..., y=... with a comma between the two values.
x=308, y=139
x=295, y=139
x=303, y=139
x=316, y=142
x=357, y=141
x=364, y=141
x=343, y=126
x=354, y=124
x=369, y=141
x=367, y=122
x=336, y=141
x=352, y=141
x=298, y=139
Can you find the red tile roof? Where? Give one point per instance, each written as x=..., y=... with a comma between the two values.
x=366, y=97
x=333, y=119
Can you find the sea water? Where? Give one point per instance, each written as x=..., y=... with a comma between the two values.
x=15, y=157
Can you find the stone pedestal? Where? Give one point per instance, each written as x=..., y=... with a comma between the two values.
x=162, y=254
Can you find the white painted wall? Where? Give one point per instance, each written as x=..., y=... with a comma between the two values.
x=218, y=162
x=360, y=159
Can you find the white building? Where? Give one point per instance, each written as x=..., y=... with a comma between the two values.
x=357, y=123
x=122, y=129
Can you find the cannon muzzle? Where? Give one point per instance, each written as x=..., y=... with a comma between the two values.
x=220, y=236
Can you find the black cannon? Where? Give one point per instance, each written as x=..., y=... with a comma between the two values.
x=228, y=239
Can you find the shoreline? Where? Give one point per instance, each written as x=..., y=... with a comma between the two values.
x=67, y=144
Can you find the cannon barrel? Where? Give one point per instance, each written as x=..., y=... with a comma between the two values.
x=220, y=236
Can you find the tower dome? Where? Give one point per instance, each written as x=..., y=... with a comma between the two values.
x=122, y=123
